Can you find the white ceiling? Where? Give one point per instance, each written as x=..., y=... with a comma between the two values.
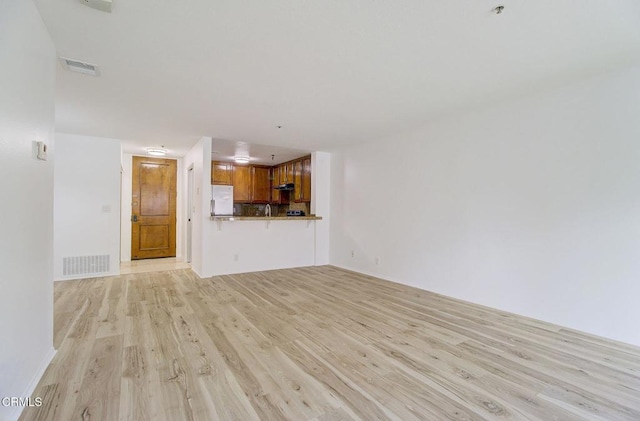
x=227, y=150
x=329, y=71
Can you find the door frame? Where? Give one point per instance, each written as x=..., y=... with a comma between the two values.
x=189, y=214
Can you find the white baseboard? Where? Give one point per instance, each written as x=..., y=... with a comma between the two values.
x=374, y=275
x=112, y=272
x=31, y=387
x=196, y=272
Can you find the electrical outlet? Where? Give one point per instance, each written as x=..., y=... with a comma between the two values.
x=377, y=261
x=236, y=257
x=353, y=254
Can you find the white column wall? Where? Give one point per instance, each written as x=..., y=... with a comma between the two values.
x=199, y=157
x=86, y=200
x=321, y=204
x=27, y=94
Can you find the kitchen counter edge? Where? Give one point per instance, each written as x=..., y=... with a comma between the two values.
x=266, y=218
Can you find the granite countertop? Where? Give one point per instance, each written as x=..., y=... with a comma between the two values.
x=266, y=218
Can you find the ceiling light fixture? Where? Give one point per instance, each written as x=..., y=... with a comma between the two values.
x=157, y=151
x=241, y=159
x=498, y=10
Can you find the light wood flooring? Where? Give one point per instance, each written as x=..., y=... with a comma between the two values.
x=152, y=265
x=317, y=344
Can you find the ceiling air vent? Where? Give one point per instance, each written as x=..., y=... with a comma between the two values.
x=80, y=66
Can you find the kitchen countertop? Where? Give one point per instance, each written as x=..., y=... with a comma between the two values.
x=266, y=218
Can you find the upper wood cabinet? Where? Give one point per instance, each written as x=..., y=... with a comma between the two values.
x=306, y=180
x=302, y=179
x=297, y=180
x=286, y=173
x=255, y=183
x=241, y=184
x=285, y=176
x=221, y=173
x=275, y=180
x=260, y=185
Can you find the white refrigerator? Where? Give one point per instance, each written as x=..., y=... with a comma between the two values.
x=221, y=200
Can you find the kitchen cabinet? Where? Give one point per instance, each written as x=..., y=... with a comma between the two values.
x=297, y=180
x=221, y=173
x=286, y=173
x=275, y=180
x=302, y=179
x=241, y=184
x=290, y=172
x=260, y=185
x=255, y=183
x=285, y=176
x=281, y=175
x=306, y=180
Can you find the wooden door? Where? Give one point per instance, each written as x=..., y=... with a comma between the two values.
x=241, y=184
x=153, y=208
x=306, y=179
x=221, y=173
x=260, y=185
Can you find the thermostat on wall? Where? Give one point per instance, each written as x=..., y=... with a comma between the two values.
x=41, y=151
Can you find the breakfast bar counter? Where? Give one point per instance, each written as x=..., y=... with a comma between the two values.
x=266, y=218
x=236, y=244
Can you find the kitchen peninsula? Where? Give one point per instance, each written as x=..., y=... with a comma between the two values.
x=248, y=240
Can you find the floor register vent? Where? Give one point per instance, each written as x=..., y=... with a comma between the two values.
x=85, y=265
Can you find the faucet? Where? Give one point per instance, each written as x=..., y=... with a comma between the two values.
x=267, y=210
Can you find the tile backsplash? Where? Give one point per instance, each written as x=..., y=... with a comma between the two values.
x=241, y=209
x=299, y=206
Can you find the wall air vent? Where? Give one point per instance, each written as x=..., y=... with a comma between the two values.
x=104, y=5
x=85, y=265
x=80, y=66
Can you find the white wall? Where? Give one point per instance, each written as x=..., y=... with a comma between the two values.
x=531, y=207
x=249, y=246
x=86, y=200
x=125, y=212
x=321, y=204
x=27, y=88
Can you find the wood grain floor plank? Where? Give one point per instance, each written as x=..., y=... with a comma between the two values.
x=99, y=394
x=317, y=343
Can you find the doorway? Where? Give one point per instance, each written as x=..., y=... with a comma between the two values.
x=153, y=208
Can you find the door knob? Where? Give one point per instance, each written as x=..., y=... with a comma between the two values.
x=134, y=218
